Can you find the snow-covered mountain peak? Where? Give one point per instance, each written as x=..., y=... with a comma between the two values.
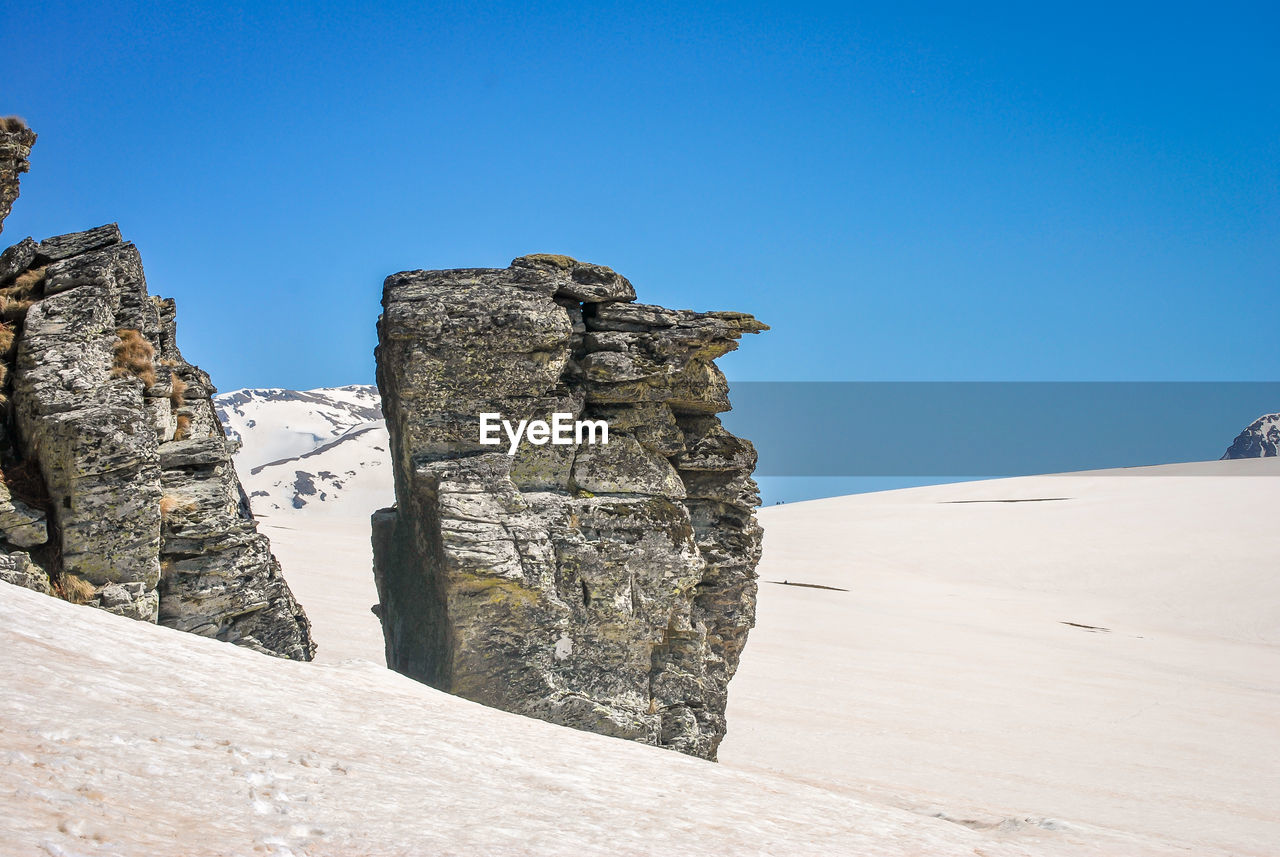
x=286, y=423
x=321, y=450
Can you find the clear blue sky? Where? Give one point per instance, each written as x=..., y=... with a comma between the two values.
x=914, y=192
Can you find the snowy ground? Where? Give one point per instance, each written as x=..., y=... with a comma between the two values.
x=941, y=681
x=122, y=738
x=330, y=571
x=946, y=678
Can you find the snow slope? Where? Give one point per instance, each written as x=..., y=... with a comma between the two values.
x=325, y=450
x=944, y=678
x=122, y=738
x=274, y=424
x=316, y=465
x=1082, y=664
x=1106, y=651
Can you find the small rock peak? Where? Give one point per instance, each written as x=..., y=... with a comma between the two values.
x=584, y=282
x=554, y=260
x=1260, y=439
x=61, y=247
x=16, y=140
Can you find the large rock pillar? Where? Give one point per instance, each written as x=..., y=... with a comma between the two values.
x=608, y=587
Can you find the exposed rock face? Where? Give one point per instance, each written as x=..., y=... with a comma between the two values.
x=120, y=481
x=16, y=140
x=18, y=569
x=607, y=587
x=1260, y=440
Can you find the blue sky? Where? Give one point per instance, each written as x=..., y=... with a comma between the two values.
x=903, y=191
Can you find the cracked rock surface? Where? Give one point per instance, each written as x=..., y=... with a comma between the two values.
x=118, y=483
x=605, y=587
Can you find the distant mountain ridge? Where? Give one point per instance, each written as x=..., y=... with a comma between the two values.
x=323, y=450
x=1260, y=440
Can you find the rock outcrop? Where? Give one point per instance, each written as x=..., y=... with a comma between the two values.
x=605, y=587
x=16, y=140
x=116, y=482
x=1261, y=439
x=118, y=488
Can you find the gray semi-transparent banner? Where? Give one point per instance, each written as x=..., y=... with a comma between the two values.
x=989, y=428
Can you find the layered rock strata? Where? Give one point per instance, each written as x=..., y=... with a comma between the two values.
x=16, y=140
x=604, y=587
x=119, y=489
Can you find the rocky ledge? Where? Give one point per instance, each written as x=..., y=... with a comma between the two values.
x=604, y=587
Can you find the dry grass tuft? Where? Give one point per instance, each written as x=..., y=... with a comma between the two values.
x=184, y=428
x=171, y=503
x=13, y=123
x=14, y=309
x=8, y=339
x=74, y=588
x=177, y=396
x=26, y=285
x=168, y=568
x=135, y=355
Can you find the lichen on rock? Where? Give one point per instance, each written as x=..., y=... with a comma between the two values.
x=609, y=587
x=102, y=423
x=101, y=399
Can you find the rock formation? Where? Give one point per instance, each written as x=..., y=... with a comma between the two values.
x=16, y=140
x=1260, y=439
x=118, y=487
x=608, y=587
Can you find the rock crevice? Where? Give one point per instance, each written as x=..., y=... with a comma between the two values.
x=605, y=587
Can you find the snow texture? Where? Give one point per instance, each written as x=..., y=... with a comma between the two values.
x=324, y=451
x=1064, y=665
x=124, y=738
x=1082, y=664
x=1097, y=649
